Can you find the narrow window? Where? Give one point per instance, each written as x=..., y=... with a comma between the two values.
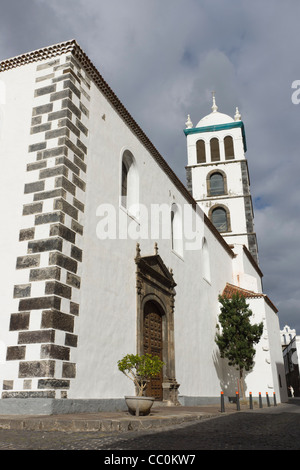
x=229, y=149
x=124, y=183
x=214, y=150
x=200, y=146
x=176, y=230
x=219, y=219
x=217, y=184
x=129, y=183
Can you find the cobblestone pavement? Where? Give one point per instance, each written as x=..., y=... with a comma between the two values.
x=267, y=429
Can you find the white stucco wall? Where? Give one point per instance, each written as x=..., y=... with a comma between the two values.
x=246, y=274
x=106, y=326
x=232, y=170
x=107, y=323
x=16, y=108
x=268, y=359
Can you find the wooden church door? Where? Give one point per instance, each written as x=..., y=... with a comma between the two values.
x=153, y=344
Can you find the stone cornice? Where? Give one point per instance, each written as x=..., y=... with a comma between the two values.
x=40, y=54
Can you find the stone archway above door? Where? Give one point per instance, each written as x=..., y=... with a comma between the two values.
x=155, y=283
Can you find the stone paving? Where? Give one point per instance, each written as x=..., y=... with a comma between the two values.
x=171, y=429
x=115, y=421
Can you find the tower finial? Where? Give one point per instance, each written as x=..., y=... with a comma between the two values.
x=189, y=123
x=214, y=106
x=237, y=116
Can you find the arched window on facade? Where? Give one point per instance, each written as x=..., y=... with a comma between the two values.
x=129, y=183
x=176, y=230
x=229, y=148
x=214, y=150
x=200, y=147
x=216, y=184
x=220, y=219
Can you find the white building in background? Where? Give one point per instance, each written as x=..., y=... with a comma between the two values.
x=287, y=334
x=291, y=352
x=105, y=252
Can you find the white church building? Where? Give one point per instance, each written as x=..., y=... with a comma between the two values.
x=105, y=252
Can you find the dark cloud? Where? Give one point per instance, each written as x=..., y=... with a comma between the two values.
x=163, y=59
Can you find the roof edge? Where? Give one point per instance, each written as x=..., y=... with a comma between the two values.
x=38, y=54
x=231, y=289
x=73, y=47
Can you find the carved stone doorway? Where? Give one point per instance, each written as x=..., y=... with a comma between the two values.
x=155, y=321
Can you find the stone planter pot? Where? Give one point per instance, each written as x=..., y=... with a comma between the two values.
x=139, y=406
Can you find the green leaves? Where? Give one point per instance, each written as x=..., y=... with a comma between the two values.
x=146, y=366
x=238, y=336
x=140, y=368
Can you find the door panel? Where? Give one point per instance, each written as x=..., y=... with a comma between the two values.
x=153, y=344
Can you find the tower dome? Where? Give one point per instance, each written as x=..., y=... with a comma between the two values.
x=215, y=118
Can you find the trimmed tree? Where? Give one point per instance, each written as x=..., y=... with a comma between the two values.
x=140, y=369
x=237, y=335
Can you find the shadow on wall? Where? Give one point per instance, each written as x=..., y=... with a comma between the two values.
x=283, y=390
x=228, y=376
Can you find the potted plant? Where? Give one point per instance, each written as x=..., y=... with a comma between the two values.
x=139, y=369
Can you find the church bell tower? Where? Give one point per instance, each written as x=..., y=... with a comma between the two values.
x=218, y=178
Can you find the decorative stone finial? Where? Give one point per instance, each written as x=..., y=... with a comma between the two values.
x=214, y=106
x=189, y=123
x=237, y=116
x=155, y=248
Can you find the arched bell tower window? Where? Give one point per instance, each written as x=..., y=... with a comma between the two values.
x=214, y=150
x=220, y=217
x=129, y=183
x=216, y=183
x=229, y=148
x=200, y=147
x=217, y=186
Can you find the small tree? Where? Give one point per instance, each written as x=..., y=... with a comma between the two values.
x=140, y=369
x=237, y=336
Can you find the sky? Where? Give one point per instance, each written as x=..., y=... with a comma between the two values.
x=164, y=58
